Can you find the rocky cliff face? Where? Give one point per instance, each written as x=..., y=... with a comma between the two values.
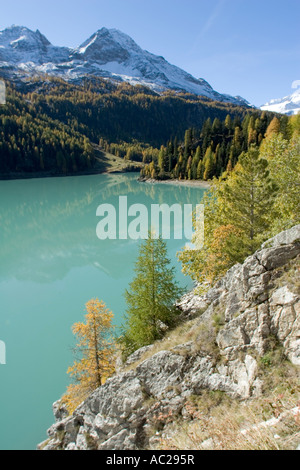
x=217, y=348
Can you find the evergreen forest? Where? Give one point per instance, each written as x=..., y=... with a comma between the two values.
x=49, y=126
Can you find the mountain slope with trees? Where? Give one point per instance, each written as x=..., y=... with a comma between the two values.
x=49, y=125
x=214, y=148
x=248, y=204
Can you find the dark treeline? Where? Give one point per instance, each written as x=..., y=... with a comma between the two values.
x=119, y=112
x=214, y=149
x=34, y=142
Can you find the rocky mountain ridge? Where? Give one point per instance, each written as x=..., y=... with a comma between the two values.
x=218, y=347
x=108, y=53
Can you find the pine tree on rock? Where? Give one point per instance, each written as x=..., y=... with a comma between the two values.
x=151, y=296
x=97, y=348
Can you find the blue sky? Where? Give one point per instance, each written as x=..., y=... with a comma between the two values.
x=241, y=47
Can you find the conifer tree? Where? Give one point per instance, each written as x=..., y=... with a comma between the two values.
x=162, y=160
x=206, y=134
x=284, y=164
x=209, y=165
x=187, y=143
x=239, y=210
x=151, y=296
x=228, y=124
x=218, y=161
x=198, y=154
x=217, y=126
x=249, y=196
x=96, y=346
x=273, y=128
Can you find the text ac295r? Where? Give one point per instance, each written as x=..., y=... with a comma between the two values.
x=172, y=459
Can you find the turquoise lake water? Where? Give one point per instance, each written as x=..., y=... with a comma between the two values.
x=51, y=264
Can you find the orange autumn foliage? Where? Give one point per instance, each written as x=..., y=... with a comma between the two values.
x=97, y=348
x=221, y=253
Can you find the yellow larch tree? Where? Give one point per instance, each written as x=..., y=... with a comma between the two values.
x=97, y=348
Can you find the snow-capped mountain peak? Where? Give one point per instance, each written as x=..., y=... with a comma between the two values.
x=288, y=105
x=24, y=48
x=21, y=38
x=125, y=41
x=108, y=53
x=105, y=46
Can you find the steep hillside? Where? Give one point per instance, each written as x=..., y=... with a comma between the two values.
x=50, y=126
x=226, y=378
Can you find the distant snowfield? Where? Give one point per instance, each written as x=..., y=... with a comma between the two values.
x=289, y=105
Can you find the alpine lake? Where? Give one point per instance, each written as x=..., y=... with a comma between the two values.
x=51, y=263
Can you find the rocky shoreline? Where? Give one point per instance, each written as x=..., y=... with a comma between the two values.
x=49, y=174
x=176, y=182
x=223, y=337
